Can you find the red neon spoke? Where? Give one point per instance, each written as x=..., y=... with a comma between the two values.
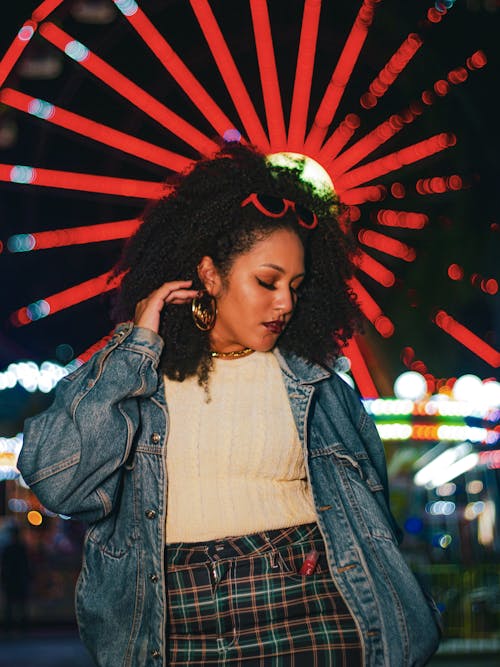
x=46, y=8
x=440, y=184
x=344, y=131
x=268, y=74
x=365, y=146
x=371, y=310
x=95, y=347
x=230, y=74
x=129, y=90
x=16, y=49
x=67, y=180
x=395, y=161
x=362, y=195
x=465, y=336
x=390, y=127
x=374, y=269
x=403, y=219
x=303, y=74
x=359, y=369
x=67, y=298
x=341, y=75
x=386, y=244
x=93, y=130
x=105, y=231
x=390, y=72
x=184, y=77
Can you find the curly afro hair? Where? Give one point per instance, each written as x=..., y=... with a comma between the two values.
x=200, y=215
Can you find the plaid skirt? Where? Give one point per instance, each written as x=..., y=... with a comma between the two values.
x=243, y=601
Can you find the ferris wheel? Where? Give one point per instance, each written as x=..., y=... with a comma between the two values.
x=121, y=93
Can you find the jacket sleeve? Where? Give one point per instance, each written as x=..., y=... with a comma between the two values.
x=73, y=453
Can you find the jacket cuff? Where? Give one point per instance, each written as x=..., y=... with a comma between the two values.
x=138, y=337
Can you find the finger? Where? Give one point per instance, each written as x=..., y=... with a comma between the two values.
x=166, y=288
x=180, y=296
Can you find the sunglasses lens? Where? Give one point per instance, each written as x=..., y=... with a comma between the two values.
x=274, y=205
x=306, y=216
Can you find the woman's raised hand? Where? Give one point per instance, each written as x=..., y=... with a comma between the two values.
x=147, y=311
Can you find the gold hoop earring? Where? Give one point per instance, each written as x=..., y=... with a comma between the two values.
x=204, y=311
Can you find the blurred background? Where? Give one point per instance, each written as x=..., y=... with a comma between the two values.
x=101, y=100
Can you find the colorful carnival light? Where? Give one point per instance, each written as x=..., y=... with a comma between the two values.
x=326, y=141
x=465, y=336
x=93, y=130
x=229, y=72
x=66, y=180
x=341, y=75
x=162, y=50
x=58, y=238
x=65, y=299
x=303, y=75
x=127, y=88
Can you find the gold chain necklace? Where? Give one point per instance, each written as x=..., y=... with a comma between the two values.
x=237, y=354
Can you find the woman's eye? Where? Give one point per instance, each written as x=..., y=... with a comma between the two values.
x=269, y=286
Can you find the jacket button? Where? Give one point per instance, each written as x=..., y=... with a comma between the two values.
x=155, y=653
x=154, y=578
x=150, y=514
x=155, y=438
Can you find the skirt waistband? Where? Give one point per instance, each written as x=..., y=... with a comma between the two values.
x=231, y=547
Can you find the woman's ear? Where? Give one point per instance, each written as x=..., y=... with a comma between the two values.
x=210, y=276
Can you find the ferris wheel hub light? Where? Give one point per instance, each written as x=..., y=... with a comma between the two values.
x=312, y=171
x=410, y=385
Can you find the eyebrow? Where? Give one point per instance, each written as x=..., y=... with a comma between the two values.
x=282, y=270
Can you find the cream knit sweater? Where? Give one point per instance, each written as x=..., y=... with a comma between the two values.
x=235, y=465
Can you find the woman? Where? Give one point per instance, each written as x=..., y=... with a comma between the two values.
x=235, y=489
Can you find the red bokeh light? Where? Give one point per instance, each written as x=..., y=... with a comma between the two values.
x=407, y=355
x=455, y=272
x=368, y=100
x=441, y=87
x=384, y=326
x=434, y=16
x=490, y=286
x=398, y=190
x=477, y=60
x=428, y=97
x=457, y=75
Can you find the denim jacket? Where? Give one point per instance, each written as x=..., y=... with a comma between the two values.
x=97, y=454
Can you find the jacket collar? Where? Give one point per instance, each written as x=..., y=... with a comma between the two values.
x=299, y=369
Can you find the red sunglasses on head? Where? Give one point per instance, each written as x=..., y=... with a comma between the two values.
x=275, y=207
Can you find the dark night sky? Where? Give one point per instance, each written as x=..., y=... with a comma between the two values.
x=460, y=228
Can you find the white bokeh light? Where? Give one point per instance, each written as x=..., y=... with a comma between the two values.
x=467, y=388
x=410, y=385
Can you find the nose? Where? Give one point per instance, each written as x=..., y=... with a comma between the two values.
x=285, y=301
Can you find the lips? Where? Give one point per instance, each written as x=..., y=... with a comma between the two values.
x=275, y=327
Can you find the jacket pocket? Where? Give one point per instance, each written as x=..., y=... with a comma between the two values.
x=109, y=602
x=113, y=535
x=362, y=488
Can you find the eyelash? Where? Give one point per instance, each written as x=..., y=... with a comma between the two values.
x=271, y=287
x=268, y=286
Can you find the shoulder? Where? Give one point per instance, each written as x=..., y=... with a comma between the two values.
x=329, y=385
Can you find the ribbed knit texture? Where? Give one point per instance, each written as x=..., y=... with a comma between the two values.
x=235, y=465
